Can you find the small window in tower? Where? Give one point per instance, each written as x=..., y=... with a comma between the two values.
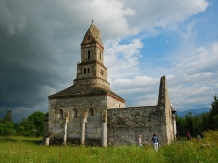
x=102, y=72
x=100, y=55
x=88, y=54
x=89, y=37
x=87, y=70
x=84, y=70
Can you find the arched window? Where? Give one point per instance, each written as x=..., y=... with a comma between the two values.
x=84, y=70
x=61, y=113
x=88, y=54
x=74, y=113
x=87, y=70
x=90, y=112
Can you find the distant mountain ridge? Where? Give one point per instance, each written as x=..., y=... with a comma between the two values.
x=194, y=111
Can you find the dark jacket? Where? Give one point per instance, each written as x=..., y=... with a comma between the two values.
x=155, y=139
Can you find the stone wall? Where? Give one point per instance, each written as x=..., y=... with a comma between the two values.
x=78, y=112
x=114, y=103
x=94, y=82
x=126, y=124
x=81, y=105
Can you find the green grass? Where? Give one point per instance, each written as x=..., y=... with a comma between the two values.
x=29, y=150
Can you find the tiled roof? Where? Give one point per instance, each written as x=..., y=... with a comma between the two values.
x=79, y=91
x=94, y=31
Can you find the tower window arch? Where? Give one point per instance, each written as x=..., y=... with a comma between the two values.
x=84, y=70
x=88, y=54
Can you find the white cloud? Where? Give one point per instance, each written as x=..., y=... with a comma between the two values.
x=158, y=13
x=136, y=82
x=122, y=60
x=191, y=82
x=203, y=60
x=194, y=83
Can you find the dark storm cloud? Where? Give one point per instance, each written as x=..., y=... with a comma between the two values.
x=36, y=52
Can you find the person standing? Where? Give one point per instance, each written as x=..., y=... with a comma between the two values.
x=188, y=136
x=140, y=140
x=199, y=137
x=155, y=141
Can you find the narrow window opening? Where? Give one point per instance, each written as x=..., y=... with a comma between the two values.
x=88, y=70
x=91, y=112
x=102, y=72
x=75, y=113
x=88, y=54
x=84, y=70
x=61, y=113
x=89, y=37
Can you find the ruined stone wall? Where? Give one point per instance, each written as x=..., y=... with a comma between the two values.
x=168, y=113
x=126, y=124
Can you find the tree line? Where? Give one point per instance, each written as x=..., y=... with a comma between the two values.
x=33, y=125
x=198, y=123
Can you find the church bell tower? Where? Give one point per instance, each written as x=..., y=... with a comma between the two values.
x=91, y=69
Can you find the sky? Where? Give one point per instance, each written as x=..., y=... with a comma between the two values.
x=143, y=40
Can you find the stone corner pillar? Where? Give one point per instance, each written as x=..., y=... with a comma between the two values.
x=66, y=117
x=104, y=129
x=47, y=141
x=83, y=128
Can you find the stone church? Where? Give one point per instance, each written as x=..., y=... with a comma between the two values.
x=90, y=113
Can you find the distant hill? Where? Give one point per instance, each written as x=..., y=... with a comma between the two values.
x=194, y=111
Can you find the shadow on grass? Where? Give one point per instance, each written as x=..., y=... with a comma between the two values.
x=36, y=141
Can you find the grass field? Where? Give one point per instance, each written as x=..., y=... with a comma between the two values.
x=29, y=150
